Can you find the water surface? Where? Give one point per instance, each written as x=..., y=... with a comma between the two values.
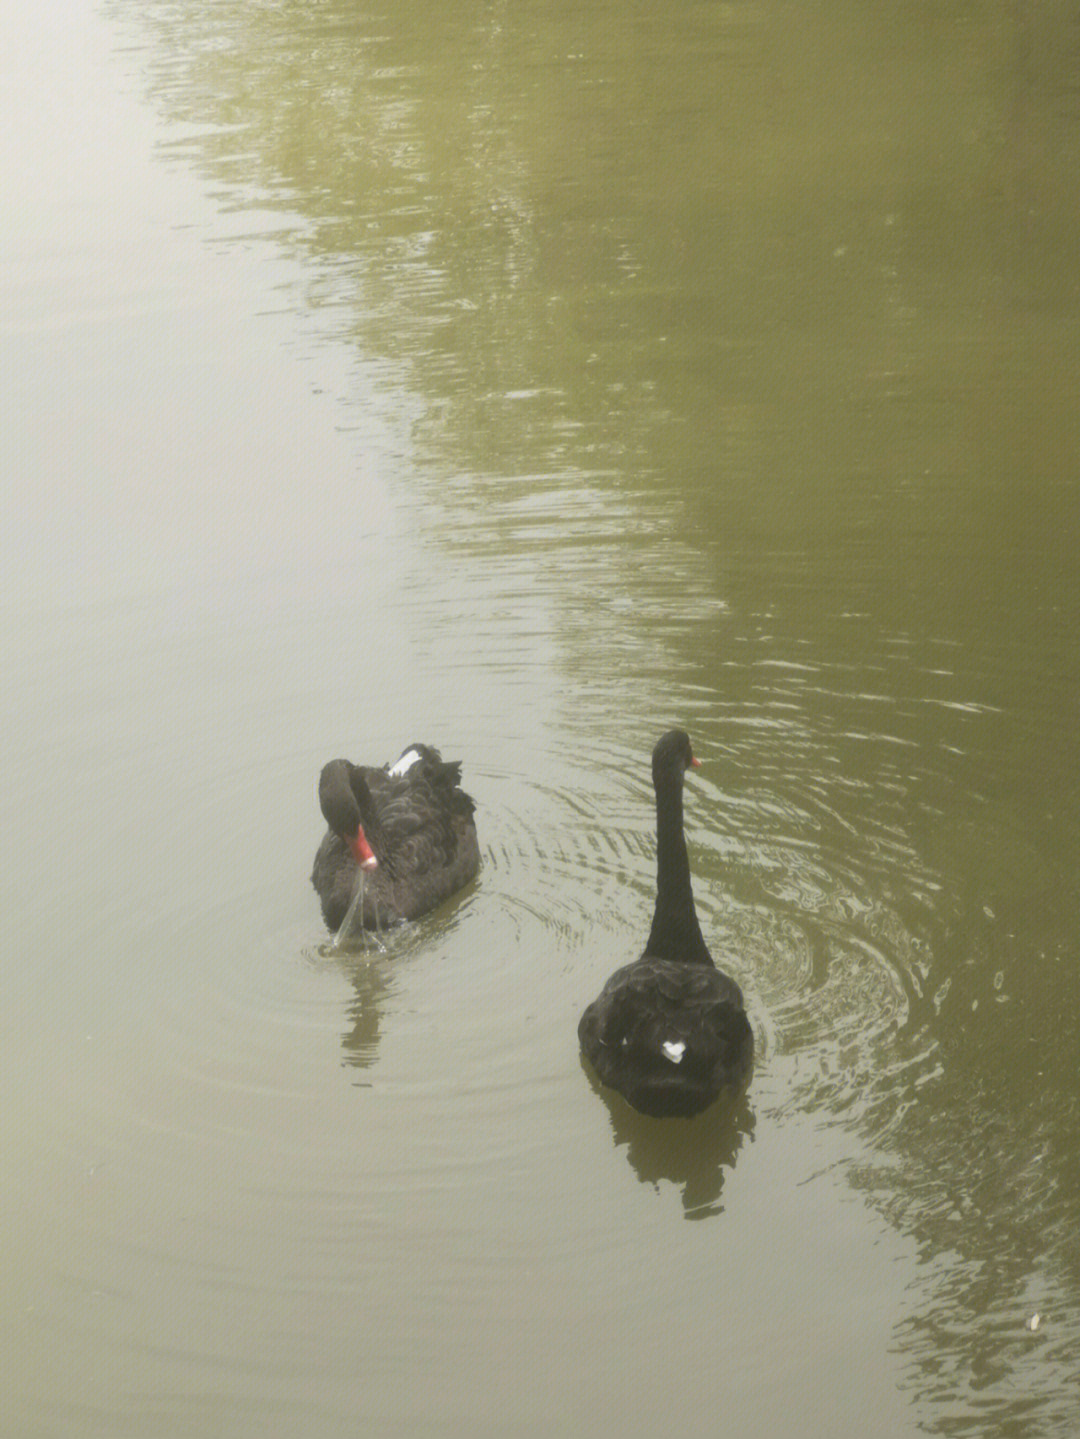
x=526, y=380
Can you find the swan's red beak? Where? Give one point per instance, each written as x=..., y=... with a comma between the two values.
x=362, y=851
x=695, y=761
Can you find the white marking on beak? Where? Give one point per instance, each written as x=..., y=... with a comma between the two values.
x=673, y=1050
x=404, y=764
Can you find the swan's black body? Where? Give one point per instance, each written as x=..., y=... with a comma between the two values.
x=418, y=823
x=669, y=1031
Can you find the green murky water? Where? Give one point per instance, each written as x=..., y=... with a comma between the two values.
x=527, y=379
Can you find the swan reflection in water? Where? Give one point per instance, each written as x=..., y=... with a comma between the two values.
x=373, y=984
x=694, y=1155
x=377, y=965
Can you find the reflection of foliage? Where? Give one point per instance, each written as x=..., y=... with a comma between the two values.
x=960, y=1075
x=528, y=197
x=991, y=1208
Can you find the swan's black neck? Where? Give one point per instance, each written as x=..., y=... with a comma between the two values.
x=368, y=811
x=675, y=932
x=347, y=803
x=336, y=799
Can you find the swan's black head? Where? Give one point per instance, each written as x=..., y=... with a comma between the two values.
x=673, y=754
x=342, y=793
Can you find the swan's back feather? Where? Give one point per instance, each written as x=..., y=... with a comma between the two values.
x=653, y=1004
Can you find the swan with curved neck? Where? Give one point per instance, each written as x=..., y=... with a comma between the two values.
x=408, y=827
x=669, y=1032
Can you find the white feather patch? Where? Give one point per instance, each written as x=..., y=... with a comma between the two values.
x=404, y=764
x=674, y=1050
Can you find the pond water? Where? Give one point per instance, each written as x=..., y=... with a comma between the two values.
x=526, y=380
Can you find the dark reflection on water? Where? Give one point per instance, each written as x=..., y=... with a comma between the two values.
x=361, y=1041
x=375, y=961
x=734, y=357
x=691, y=1154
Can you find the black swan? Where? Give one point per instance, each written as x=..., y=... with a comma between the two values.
x=669, y=1031
x=408, y=827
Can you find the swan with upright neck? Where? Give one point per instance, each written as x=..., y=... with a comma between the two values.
x=669, y=1032
x=405, y=831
